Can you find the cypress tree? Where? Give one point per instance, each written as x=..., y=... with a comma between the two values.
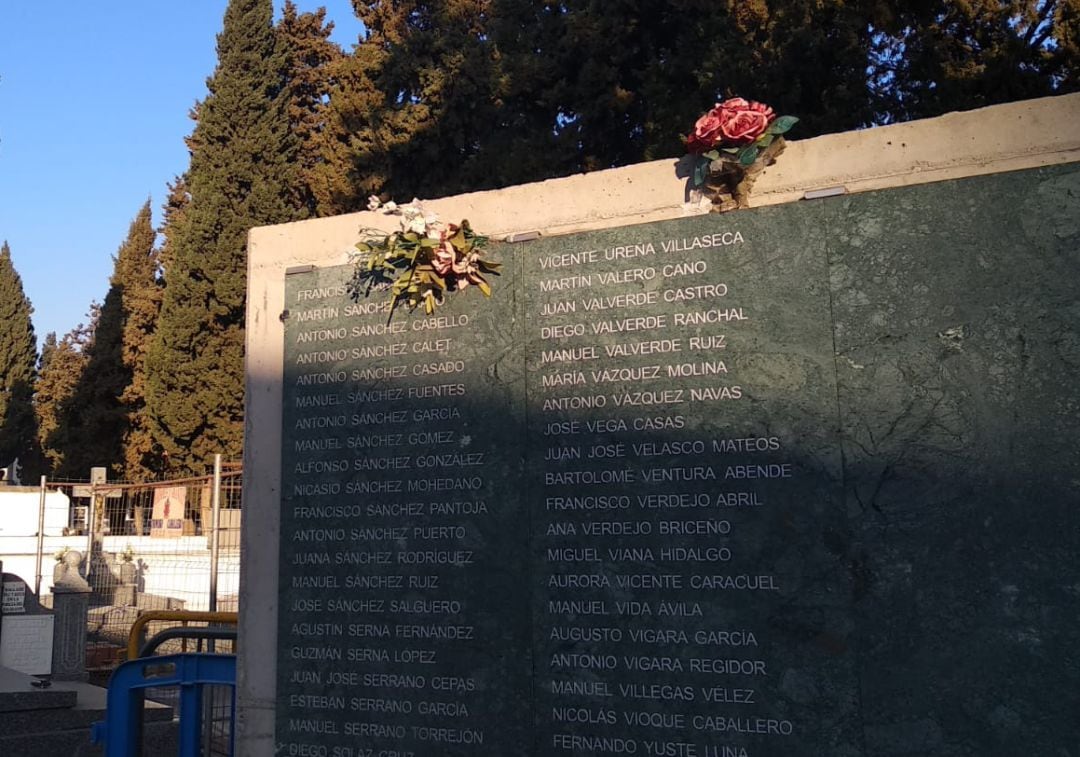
x=18, y=360
x=240, y=176
x=94, y=421
x=59, y=372
x=174, y=208
x=106, y=408
x=359, y=132
x=45, y=407
x=136, y=278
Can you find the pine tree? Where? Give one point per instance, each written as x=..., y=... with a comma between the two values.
x=361, y=130
x=441, y=97
x=18, y=360
x=939, y=56
x=446, y=96
x=311, y=57
x=60, y=369
x=240, y=176
x=350, y=163
x=635, y=76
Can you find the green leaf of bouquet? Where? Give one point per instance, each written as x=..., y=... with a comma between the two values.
x=730, y=150
x=711, y=154
x=748, y=155
x=700, y=172
x=484, y=287
x=782, y=124
x=439, y=281
x=765, y=140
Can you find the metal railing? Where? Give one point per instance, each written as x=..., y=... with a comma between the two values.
x=137, y=635
x=199, y=688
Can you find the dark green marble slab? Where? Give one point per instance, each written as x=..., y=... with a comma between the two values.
x=800, y=480
x=692, y=664
x=426, y=648
x=957, y=321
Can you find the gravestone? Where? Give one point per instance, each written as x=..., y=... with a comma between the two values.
x=793, y=481
x=27, y=629
x=71, y=603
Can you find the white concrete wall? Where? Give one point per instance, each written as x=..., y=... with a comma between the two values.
x=178, y=568
x=991, y=140
x=19, y=555
x=20, y=508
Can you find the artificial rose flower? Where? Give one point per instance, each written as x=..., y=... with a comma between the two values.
x=447, y=261
x=443, y=258
x=463, y=266
x=706, y=132
x=741, y=122
x=734, y=104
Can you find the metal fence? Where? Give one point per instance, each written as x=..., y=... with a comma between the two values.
x=145, y=546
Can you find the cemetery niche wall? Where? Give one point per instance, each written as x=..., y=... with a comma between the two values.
x=799, y=480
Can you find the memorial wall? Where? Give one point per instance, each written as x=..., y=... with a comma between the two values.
x=792, y=481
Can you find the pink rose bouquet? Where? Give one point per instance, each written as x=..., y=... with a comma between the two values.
x=736, y=127
x=732, y=122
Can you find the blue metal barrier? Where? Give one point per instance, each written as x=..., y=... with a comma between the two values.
x=121, y=731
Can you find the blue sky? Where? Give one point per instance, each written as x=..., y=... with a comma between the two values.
x=94, y=101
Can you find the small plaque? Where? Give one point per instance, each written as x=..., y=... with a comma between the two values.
x=26, y=643
x=14, y=598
